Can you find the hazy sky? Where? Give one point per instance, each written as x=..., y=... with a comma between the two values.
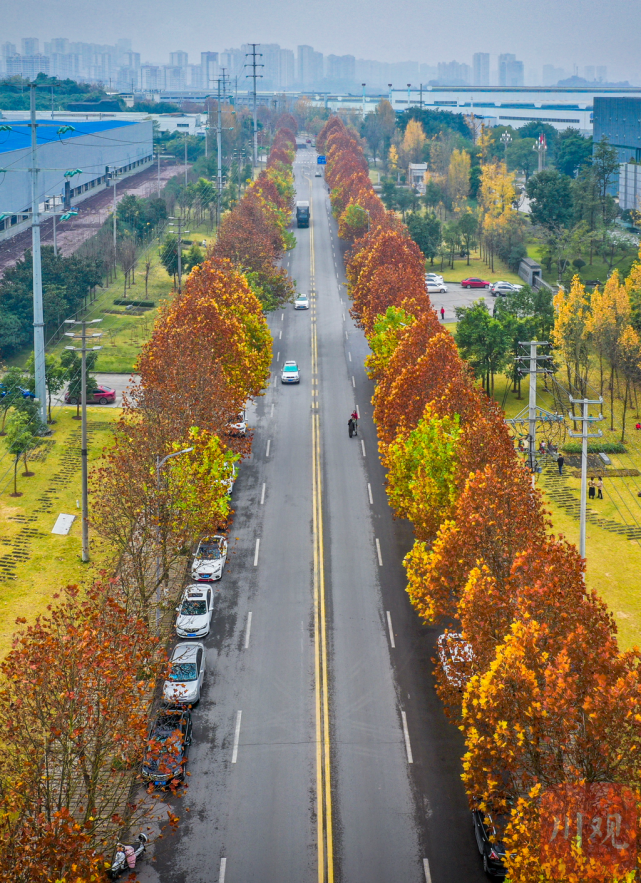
x=560, y=32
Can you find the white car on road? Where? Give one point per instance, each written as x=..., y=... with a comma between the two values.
x=436, y=287
x=210, y=559
x=500, y=289
x=301, y=302
x=186, y=674
x=290, y=373
x=433, y=277
x=195, y=612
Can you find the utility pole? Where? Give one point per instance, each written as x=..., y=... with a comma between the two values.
x=179, y=223
x=83, y=399
x=420, y=101
x=38, y=311
x=254, y=65
x=585, y=419
x=186, y=136
x=533, y=414
x=364, y=84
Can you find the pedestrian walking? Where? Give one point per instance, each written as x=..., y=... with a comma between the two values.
x=591, y=488
x=559, y=462
x=599, y=488
x=442, y=314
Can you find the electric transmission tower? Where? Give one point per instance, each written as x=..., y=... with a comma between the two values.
x=254, y=65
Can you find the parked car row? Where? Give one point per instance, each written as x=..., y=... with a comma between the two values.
x=456, y=658
x=170, y=734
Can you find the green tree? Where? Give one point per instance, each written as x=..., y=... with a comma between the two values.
x=550, y=195
x=20, y=438
x=521, y=157
x=605, y=163
x=483, y=341
x=71, y=363
x=434, y=194
x=194, y=256
x=169, y=255
x=425, y=230
x=10, y=392
x=468, y=227
x=574, y=152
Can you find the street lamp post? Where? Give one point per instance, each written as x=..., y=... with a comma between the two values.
x=409, y=93
x=389, y=86
x=364, y=84
x=506, y=140
x=160, y=462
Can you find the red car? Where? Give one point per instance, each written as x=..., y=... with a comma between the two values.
x=102, y=395
x=473, y=282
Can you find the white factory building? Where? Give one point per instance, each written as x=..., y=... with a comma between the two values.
x=561, y=107
x=91, y=149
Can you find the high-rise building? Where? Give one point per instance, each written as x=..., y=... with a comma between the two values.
x=481, y=69
x=30, y=46
x=453, y=74
x=588, y=73
x=309, y=68
x=28, y=66
x=602, y=73
x=510, y=71
x=404, y=72
x=210, y=70
x=286, y=69
x=341, y=68
x=178, y=59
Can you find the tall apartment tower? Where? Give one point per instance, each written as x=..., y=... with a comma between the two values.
x=178, y=59
x=511, y=71
x=310, y=66
x=30, y=45
x=210, y=69
x=481, y=69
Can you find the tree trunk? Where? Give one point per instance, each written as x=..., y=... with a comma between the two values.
x=625, y=408
x=612, y=398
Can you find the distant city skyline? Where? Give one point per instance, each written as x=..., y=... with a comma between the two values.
x=122, y=67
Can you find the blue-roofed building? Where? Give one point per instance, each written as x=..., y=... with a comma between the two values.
x=95, y=147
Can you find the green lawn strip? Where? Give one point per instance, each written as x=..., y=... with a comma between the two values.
x=614, y=567
x=45, y=562
x=598, y=269
x=477, y=268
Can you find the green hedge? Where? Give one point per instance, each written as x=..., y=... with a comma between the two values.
x=603, y=448
x=134, y=303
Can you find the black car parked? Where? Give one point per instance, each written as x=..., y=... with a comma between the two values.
x=167, y=745
x=488, y=839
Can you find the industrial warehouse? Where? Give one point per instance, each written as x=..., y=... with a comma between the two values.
x=75, y=159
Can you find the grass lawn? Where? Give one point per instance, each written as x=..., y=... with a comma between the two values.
x=124, y=333
x=599, y=269
x=34, y=563
x=476, y=267
x=613, y=561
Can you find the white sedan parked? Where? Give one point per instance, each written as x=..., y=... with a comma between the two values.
x=210, y=559
x=186, y=674
x=436, y=287
x=195, y=612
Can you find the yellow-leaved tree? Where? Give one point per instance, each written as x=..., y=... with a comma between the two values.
x=413, y=144
x=458, y=180
x=570, y=332
x=610, y=317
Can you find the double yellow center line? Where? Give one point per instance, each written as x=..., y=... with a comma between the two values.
x=323, y=766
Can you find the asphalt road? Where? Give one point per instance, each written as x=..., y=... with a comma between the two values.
x=316, y=661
